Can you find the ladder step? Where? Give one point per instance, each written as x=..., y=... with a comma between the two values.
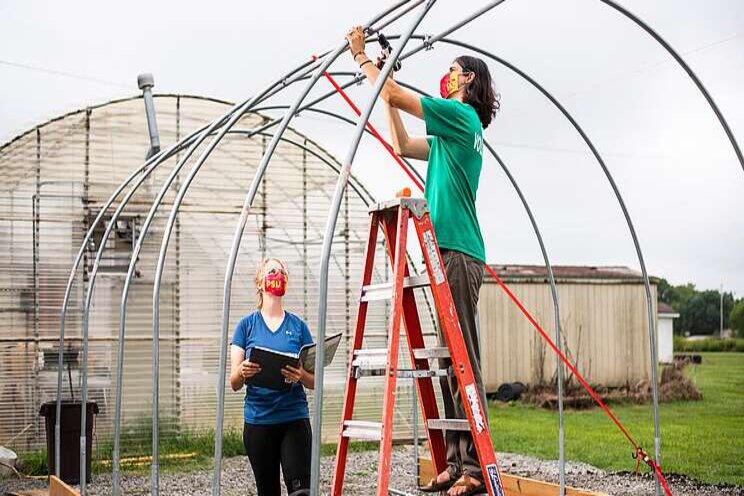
x=370, y=351
x=362, y=429
x=384, y=291
x=370, y=358
x=449, y=424
x=402, y=373
x=411, y=374
x=417, y=206
x=373, y=362
x=430, y=353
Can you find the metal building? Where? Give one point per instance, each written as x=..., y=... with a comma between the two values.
x=53, y=181
x=604, y=316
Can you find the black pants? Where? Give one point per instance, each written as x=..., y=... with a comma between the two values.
x=465, y=276
x=270, y=446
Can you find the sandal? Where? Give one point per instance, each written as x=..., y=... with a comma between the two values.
x=472, y=488
x=434, y=487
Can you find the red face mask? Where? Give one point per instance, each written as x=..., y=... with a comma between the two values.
x=449, y=84
x=275, y=284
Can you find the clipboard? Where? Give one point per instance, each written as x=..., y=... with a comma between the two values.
x=272, y=362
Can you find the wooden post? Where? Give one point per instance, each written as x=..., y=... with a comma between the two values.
x=59, y=488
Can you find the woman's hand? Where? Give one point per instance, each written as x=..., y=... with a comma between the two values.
x=248, y=369
x=292, y=374
x=355, y=37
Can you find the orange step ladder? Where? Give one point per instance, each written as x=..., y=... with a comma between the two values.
x=393, y=218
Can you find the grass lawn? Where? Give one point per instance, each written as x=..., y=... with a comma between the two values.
x=703, y=439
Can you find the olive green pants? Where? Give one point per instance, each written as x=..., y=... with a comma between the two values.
x=465, y=277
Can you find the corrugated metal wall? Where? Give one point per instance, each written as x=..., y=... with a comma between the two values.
x=604, y=324
x=55, y=179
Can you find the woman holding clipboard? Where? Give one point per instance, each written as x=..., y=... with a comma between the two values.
x=276, y=433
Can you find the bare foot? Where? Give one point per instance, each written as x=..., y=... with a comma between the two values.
x=443, y=477
x=464, y=485
x=436, y=484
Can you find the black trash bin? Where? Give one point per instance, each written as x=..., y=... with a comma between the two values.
x=69, y=447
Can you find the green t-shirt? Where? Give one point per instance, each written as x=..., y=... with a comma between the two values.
x=455, y=139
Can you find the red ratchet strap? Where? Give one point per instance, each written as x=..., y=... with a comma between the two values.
x=372, y=130
x=639, y=453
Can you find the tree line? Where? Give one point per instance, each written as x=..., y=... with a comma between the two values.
x=700, y=311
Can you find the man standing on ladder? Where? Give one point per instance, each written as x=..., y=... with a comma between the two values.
x=453, y=149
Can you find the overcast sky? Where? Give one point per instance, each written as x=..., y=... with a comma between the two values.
x=671, y=159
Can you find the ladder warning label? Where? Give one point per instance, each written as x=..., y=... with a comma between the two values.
x=495, y=480
x=474, y=401
x=431, y=253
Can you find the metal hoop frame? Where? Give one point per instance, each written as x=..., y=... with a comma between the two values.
x=222, y=126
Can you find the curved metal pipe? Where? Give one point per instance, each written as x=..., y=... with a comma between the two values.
x=331, y=224
x=652, y=335
x=234, y=115
x=328, y=113
x=234, y=253
x=429, y=41
x=284, y=83
x=553, y=294
x=228, y=120
x=182, y=143
x=86, y=321
x=159, y=275
x=639, y=22
x=358, y=188
x=551, y=278
x=63, y=311
x=335, y=167
x=327, y=241
x=629, y=222
x=595, y=152
x=153, y=161
x=233, y=256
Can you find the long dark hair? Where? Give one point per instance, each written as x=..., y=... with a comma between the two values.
x=480, y=93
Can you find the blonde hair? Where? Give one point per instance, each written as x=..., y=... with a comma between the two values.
x=260, y=277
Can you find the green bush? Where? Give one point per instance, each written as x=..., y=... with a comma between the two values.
x=736, y=319
x=683, y=345
x=33, y=463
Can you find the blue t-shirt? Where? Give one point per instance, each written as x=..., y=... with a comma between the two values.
x=268, y=406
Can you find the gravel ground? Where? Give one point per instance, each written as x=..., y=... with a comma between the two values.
x=361, y=478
